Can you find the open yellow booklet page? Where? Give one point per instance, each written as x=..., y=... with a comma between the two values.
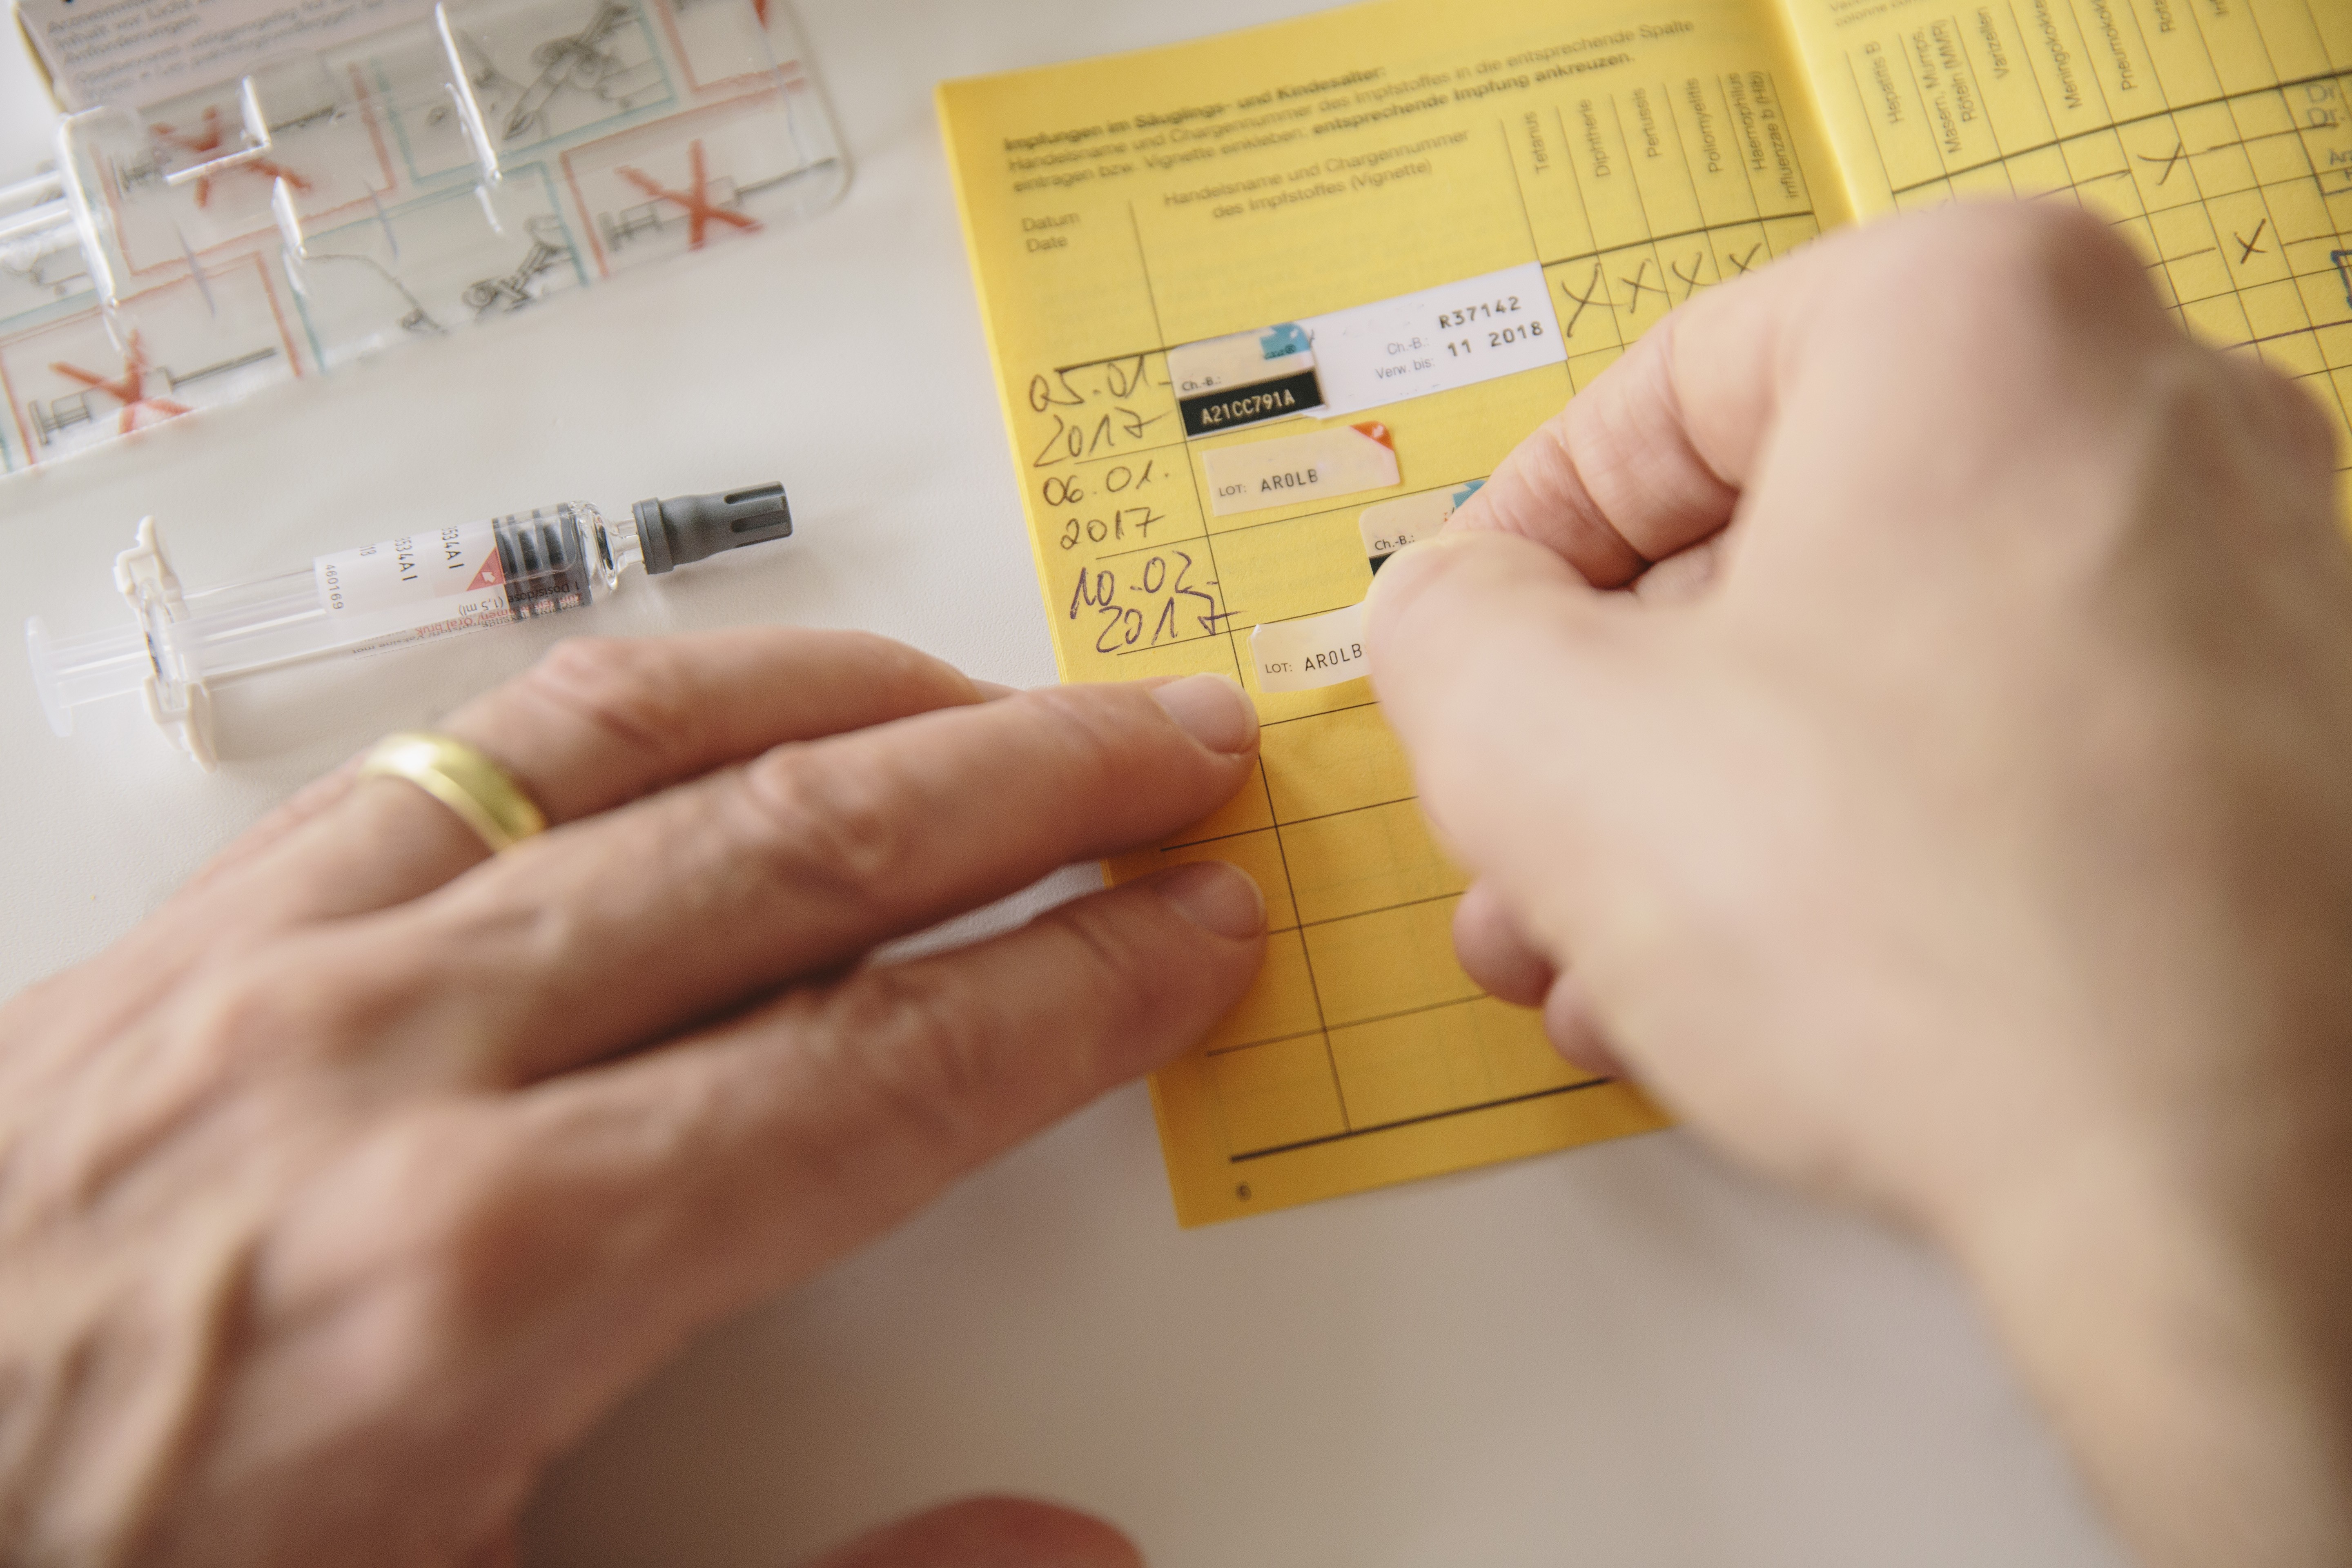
x=2215, y=134
x=1266, y=307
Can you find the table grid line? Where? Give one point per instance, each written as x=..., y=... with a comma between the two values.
x=1391, y=1017
x=1315, y=993
x=2188, y=299
x=2002, y=159
x=1705, y=271
x=1762, y=210
x=1553, y=1092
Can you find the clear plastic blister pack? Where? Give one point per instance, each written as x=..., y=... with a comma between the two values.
x=438, y=175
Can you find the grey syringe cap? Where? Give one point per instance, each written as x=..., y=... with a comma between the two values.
x=688, y=528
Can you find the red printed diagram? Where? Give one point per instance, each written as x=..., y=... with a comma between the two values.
x=714, y=173
x=324, y=206
x=69, y=385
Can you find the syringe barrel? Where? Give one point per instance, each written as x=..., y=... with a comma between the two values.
x=474, y=574
x=548, y=558
x=401, y=590
x=71, y=671
x=409, y=589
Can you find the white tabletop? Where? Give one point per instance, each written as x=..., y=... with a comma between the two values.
x=1627, y=1355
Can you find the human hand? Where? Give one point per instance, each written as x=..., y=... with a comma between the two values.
x=355, y=1184
x=1957, y=814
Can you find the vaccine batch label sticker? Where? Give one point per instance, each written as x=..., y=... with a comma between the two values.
x=1322, y=465
x=419, y=581
x=1435, y=340
x=1248, y=378
x=1345, y=362
x=1312, y=651
x=1390, y=525
x=1325, y=649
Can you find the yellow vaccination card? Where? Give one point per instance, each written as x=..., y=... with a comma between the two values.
x=2216, y=135
x=1264, y=306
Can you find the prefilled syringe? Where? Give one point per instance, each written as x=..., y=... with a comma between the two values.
x=421, y=586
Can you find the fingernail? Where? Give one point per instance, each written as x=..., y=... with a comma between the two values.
x=993, y=691
x=1216, y=897
x=1385, y=580
x=1213, y=708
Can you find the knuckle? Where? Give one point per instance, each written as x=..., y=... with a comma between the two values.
x=463, y=1240
x=260, y=1013
x=2046, y=238
x=221, y=1056
x=1109, y=748
x=2187, y=402
x=2281, y=411
x=904, y=667
x=2057, y=271
x=1118, y=961
x=2003, y=280
x=1085, y=734
x=1108, y=737
x=833, y=817
x=471, y=1260
x=630, y=687
x=921, y=1045
x=897, y=677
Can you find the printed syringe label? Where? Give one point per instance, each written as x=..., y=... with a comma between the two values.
x=420, y=580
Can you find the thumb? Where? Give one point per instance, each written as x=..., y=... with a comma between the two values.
x=989, y=1532
x=1499, y=669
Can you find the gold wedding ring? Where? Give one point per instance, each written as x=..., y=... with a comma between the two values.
x=484, y=796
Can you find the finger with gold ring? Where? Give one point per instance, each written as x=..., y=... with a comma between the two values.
x=484, y=796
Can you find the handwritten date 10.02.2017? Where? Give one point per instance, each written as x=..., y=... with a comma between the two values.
x=1159, y=599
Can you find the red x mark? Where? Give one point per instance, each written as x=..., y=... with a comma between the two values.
x=130, y=391
x=697, y=202
x=210, y=143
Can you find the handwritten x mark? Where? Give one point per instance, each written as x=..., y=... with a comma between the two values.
x=2248, y=248
x=1637, y=283
x=699, y=208
x=1592, y=290
x=2179, y=150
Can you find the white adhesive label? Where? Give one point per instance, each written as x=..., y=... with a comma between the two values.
x=1312, y=651
x=1435, y=340
x=420, y=585
x=1390, y=525
x=1319, y=465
